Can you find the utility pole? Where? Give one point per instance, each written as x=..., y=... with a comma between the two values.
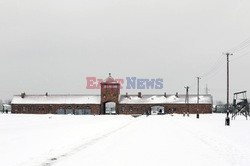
x=206, y=90
x=198, y=97
x=227, y=107
x=187, y=100
x=228, y=79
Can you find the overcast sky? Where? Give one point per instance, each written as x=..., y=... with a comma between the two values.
x=53, y=45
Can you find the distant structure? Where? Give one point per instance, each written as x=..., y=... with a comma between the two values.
x=240, y=106
x=5, y=108
x=187, y=100
x=206, y=90
x=110, y=102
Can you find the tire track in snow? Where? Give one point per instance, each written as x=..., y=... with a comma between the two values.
x=86, y=144
x=225, y=149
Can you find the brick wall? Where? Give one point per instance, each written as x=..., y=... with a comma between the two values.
x=121, y=108
x=52, y=108
x=168, y=108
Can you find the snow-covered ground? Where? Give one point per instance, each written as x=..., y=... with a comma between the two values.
x=111, y=140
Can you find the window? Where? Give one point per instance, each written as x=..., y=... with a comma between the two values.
x=50, y=107
x=123, y=108
x=130, y=108
x=69, y=110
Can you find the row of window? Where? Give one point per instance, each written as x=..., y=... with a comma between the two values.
x=75, y=112
x=131, y=108
x=33, y=108
x=110, y=86
x=143, y=108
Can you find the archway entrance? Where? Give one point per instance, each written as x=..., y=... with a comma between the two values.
x=110, y=108
x=157, y=110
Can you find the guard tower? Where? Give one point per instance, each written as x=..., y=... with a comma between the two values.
x=110, y=91
x=240, y=105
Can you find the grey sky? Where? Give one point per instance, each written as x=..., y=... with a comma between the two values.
x=53, y=45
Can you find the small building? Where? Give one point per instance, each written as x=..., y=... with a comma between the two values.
x=110, y=102
x=5, y=108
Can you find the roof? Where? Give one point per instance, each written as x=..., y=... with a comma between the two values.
x=161, y=99
x=56, y=99
x=96, y=99
x=6, y=105
x=110, y=80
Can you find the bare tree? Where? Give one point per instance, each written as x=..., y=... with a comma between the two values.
x=7, y=101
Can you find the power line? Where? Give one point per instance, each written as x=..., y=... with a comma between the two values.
x=215, y=73
x=245, y=54
x=240, y=46
x=214, y=67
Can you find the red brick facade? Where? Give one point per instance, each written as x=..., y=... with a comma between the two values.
x=52, y=108
x=96, y=108
x=110, y=92
x=168, y=108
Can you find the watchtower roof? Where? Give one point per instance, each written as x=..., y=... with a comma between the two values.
x=110, y=80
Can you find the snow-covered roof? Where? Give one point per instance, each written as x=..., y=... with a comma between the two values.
x=161, y=99
x=56, y=99
x=6, y=105
x=95, y=99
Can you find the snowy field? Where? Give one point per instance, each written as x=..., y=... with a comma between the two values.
x=66, y=140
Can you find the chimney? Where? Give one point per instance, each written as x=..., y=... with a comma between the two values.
x=23, y=95
x=139, y=94
x=177, y=95
x=165, y=94
x=126, y=94
x=46, y=94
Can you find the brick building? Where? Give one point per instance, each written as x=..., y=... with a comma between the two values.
x=110, y=102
